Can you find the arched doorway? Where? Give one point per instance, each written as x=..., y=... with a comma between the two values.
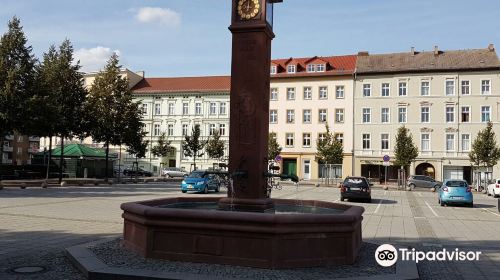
x=426, y=169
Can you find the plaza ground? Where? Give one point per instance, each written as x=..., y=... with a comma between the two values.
x=42, y=222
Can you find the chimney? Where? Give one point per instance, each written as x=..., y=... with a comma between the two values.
x=363, y=53
x=491, y=47
x=436, y=50
x=412, y=51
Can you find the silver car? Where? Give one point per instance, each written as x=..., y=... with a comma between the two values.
x=422, y=181
x=171, y=172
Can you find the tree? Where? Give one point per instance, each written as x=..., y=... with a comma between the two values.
x=193, y=146
x=485, y=151
x=215, y=146
x=137, y=146
x=405, y=150
x=330, y=150
x=115, y=115
x=163, y=148
x=274, y=148
x=17, y=80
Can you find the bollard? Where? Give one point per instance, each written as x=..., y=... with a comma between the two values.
x=23, y=185
x=44, y=185
x=63, y=184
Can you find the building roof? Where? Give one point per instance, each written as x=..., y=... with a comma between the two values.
x=79, y=150
x=183, y=84
x=335, y=65
x=428, y=61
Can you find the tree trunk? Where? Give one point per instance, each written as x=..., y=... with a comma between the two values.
x=194, y=161
x=107, y=156
x=50, y=158
x=120, y=165
x=61, y=160
x=2, y=138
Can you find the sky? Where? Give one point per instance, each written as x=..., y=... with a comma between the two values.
x=170, y=38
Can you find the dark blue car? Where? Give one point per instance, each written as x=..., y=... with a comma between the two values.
x=200, y=181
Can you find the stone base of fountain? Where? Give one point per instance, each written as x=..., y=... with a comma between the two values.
x=159, y=229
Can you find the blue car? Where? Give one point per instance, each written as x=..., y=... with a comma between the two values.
x=200, y=181
x=454, y=191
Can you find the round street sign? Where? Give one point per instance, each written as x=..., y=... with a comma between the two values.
x=277, y=158
x=387, y=158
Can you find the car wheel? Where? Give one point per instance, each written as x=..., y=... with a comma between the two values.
x=169, y=176
x=471, y=205
x=412, y=186
x=342, y=199
x=496, y=195
x=441, y=202
x=184, y=191
x=205, y=190
x=369, y=200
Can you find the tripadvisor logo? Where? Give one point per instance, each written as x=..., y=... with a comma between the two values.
x=387, y=255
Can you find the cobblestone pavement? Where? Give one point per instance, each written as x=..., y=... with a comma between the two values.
x=42, y=222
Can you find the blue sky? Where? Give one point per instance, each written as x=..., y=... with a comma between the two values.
x=190, y=37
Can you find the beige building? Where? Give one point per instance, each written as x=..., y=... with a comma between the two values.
x=443, y=97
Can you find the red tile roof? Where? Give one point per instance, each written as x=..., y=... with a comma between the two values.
x=336, y=65
x=184, y=84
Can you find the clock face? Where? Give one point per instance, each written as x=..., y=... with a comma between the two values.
x=248, y=9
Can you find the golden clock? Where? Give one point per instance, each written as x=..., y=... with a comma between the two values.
x=248, y=9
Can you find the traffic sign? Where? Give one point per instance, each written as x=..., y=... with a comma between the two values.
x=277, y=158
x=387, y=158
x=386, y=163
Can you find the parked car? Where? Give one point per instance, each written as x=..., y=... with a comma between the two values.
x=200, y=181
x=422, y=181
x=356, y=188
x=171, y=172
x=494, y=189
x=137, y=172
x=454, y=191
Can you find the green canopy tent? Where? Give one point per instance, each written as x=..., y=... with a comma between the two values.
x=77, y=159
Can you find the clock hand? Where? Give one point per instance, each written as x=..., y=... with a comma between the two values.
x=248, y=5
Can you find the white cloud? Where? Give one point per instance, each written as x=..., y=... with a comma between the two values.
x=163, y=16
x=94, y=59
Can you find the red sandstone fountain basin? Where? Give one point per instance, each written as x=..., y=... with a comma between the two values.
x=155, y=229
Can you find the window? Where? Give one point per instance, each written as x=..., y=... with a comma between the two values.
x=402, y=115
x=184, y=129
x=322, y=115
x=197, y=109
x=222, y=108
x=321, y=137
x=185, y=108
x=425, y=142
x=385, y=115
x=274, y=94
x=307, y=93
x=450, y=142
x=425, y=88
x=156, y=130
x=171, y=108
x=289, y=140
x=274, y=69
x=213, y=108
x=320, y=68
x=450, y=114
x=273, y=116
x=465, y=114
x=157, y=109
x=385, y=89
x=339, y=137
x=366, y=141
x=465, y=87
x=402, y=89
x=485, y=113
x=450, y=87
x=323, y=93
x=384, y=141
x=465, y=142
x=290, y=93
x=170, y=129
x=339, y=92
x=291, y=69
x=222, y=129
x=311, y=67
x=144, y=109
x=306, y=116
x=290, y=116
x=425, y=114
x=485, y=86
x=211, y=129
x=306, y=139
x=367, y=90
x=339, y=115
x=367, y=112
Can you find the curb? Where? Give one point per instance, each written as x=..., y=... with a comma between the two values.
x=94, y=269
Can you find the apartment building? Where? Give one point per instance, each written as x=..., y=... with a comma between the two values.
x=443, y=97
x=18, y=149
x=306, y=94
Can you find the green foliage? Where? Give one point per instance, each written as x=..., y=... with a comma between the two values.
x=330, y=150
x=485, y=151
x=163, y=148
x=139, y=147
x=215, y=146
x=405, y=150
x=193, y=145
x=273, y=147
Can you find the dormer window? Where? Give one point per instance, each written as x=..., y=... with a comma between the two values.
x=315, y=68
x=273, y=69
x=291, y=69
x=320, y=68
x=311, y=68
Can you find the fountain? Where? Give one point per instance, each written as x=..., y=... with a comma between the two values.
x=246, y=228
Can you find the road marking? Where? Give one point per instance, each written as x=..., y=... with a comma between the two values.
x=378, y=206
x=431, y=209
x=492, y=212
